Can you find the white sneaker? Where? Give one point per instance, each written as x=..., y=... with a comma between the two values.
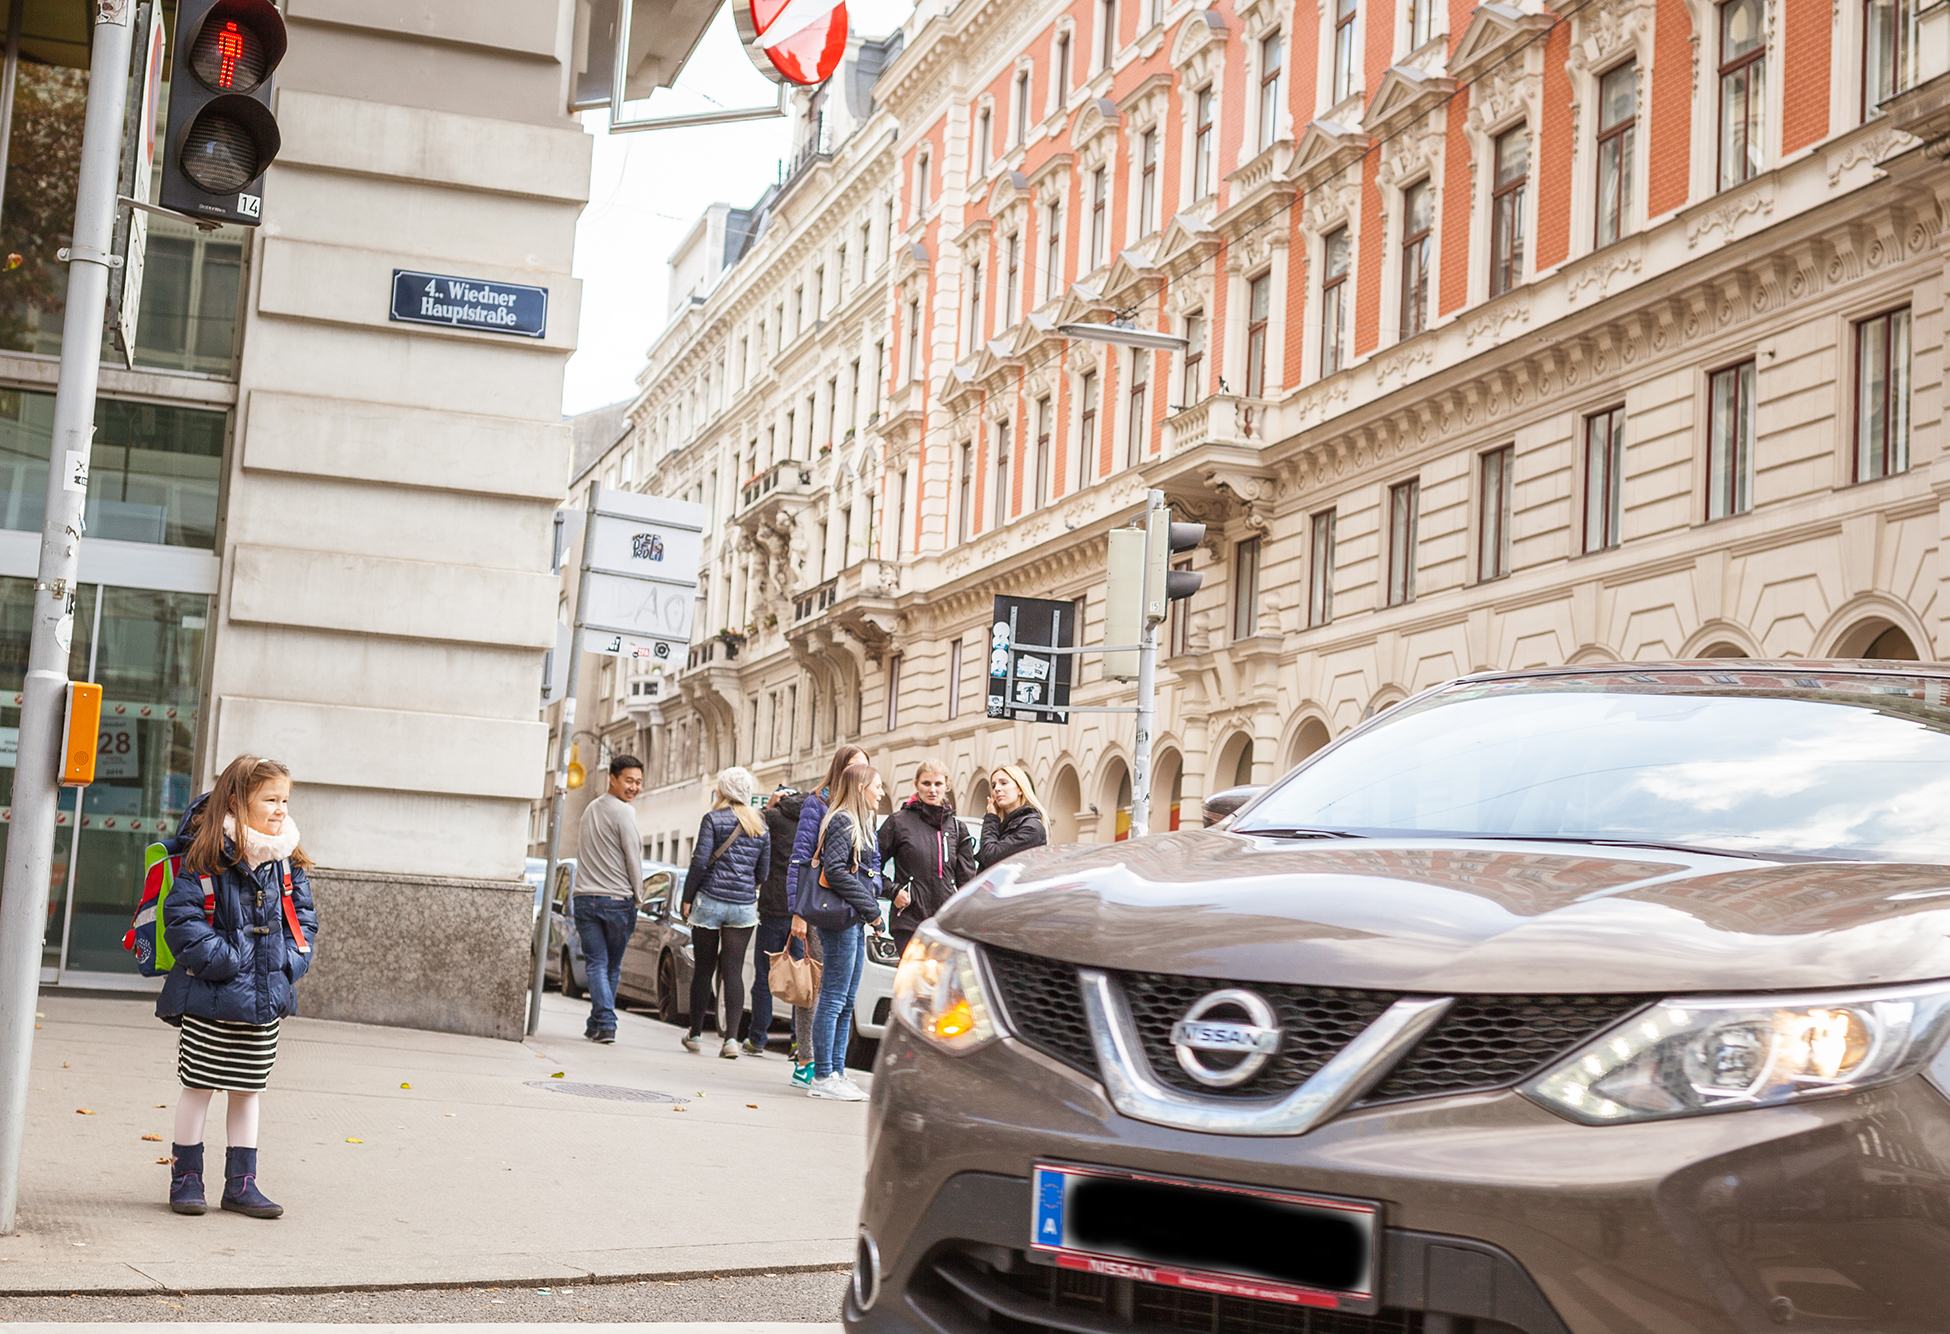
x=837, y=1087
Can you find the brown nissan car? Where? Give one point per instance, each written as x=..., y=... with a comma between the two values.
x=1587, y=1001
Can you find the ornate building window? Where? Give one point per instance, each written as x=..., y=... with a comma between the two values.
x=1052, y=251
x=1418, y=217
x=1494, y=494
x=1272, y=86
x=1730, y=441
x=1882, y=396
x=1618, y=118
x=1138, y=424
x=1404, y=516
x=1099, y=215
x=1259, y=306
x=1043, y=462
x=1507, y=207
x=1336, y=254
x=1086, y=455
x=1604, y=478
x=1888, y=50
x=1743, y=90
x=1320, y=569
x=1341, y=84
x=1148, y=182
x=1421, y=23
x=1194, y=385
x=1002, y=452
x=1202, y=145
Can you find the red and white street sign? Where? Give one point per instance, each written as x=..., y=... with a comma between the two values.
x=793, y=41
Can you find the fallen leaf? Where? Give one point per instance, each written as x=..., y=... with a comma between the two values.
x=15, y=260
x=678, y=1109
x=406, y=1086
x=165, y=1160
x=559, y=1074
x=752, y=1105
x=82, y=1111
x=450, y=1113
x=153, y=1139
x=353, y=1139
x=162, y=1104
x=65, y=1065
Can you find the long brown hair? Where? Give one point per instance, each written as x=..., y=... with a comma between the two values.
x=231, y=796
x=843, y=758
x=850, y=799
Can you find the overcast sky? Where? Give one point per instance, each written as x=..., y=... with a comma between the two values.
x=646, y=189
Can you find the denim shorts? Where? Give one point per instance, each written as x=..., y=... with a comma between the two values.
x=714, y=914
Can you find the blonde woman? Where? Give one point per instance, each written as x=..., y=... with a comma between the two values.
x=844, y=892
x=1015, y=819
x=729, y=862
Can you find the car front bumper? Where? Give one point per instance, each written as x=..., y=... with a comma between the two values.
x=1833, y=1214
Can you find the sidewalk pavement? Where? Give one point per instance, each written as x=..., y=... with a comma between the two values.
x=413, y=1159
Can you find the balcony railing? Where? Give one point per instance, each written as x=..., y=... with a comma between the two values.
x=789, y=476
x=1223, y=419
x=818, y=600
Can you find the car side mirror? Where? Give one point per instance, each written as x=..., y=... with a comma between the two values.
x=1222, y=804
x=655, y=892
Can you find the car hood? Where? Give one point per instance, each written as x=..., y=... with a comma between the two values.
x=1465, y=916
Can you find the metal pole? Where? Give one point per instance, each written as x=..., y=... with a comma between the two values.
x=15, y=13
x=1147, y=683
x=572, y=673
x=30, y=842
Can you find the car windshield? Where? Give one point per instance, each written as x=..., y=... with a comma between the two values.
x=1853, y=768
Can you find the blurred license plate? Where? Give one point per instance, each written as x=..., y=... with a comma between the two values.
x=1232, y=1241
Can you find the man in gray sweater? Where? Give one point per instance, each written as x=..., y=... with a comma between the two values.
x=609, y=875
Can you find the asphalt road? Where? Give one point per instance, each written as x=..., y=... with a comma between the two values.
x=813, y=1298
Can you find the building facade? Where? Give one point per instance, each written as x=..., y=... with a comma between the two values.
x=316, y=533
x=1512, y=337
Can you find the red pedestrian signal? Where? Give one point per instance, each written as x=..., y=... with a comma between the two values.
x=222, y=135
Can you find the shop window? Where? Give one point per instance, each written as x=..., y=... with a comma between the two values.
x=154, y=469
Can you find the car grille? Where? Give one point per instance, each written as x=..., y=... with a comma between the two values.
x=1030, y=1298
x=1484, y=1042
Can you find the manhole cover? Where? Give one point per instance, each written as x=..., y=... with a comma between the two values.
x=612, y=1092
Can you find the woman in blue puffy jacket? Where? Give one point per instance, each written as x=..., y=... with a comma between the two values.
x=812, y=812
x=240, y=921
x=729, y=861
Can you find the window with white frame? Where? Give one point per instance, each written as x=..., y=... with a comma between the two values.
x=1618, y=118
x=954, y=677
x=1345, y=69
x=1193, y=389
x=1743, y=90
x=974, y=306
x=912, y=358
x=1404, y=517
x=1052, y=250
x=984, y=139
x=1494, y=492
x=1730, y=441
x=1099, y=215
x=1106, y=33
x=1259, y=309
x=1086, y=455
x=1507, y=194
x=1245, y=588
x=1002, y=461
x=1418, y=218
x=1604, y=478
x=1011, y=277
x=1022, y=106
x=1421, y=23
x=1882, y=396
x=921, y=183
x=1148, y=182
x=1320, y=569
x=893, y=692
x=1137, y=426
x=1204, y=144
x=965, y=500
x=1062, y=71
x=1336, y=257
x=1889, y=34
x=1042, y=463
x=1272, y=86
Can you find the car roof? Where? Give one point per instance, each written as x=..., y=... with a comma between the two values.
x=1758, y=672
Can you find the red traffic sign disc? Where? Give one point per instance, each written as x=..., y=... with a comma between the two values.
x=793, y=41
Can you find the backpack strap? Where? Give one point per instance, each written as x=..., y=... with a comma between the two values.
x=291, y=911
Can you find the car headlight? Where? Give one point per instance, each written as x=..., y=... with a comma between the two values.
x=938, y=992
x=1689, y=1056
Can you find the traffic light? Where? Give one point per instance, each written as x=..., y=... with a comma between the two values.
x=222, y=134
x=1124, y=601
x=1162, y=584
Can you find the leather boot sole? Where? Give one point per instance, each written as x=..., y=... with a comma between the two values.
x=185, y=1208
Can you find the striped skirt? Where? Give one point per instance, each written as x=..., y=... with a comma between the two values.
x=213, y=1054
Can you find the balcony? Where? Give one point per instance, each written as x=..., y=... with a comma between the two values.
x=1222, y=419
x=771, y=499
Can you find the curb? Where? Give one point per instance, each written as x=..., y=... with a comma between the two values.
x=458, y=1285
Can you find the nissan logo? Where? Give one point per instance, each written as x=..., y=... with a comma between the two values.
x=1255, y=1040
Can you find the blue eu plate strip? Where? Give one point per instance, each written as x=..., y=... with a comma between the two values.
x=1049, y=1207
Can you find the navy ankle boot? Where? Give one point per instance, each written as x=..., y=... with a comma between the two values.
x=186, y=1179
x=240, y=1192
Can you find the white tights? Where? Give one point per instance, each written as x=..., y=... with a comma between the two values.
x=239, y=1122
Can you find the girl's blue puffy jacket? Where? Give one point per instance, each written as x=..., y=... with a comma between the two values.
x=803, y=840
x=739, y=870
x=243, y=969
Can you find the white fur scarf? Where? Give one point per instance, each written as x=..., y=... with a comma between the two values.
x=260, y=848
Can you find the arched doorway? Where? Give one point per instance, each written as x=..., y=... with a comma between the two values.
x=978, y=796
x=1235, y=766
x=1167, y=789
x=1114, y=803
x=1310, y=738
x=1892, y=645
x=1065, y=799
x=1877, y=637
x=1723, y=650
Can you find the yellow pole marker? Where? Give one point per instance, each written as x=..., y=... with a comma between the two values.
x=81, y=734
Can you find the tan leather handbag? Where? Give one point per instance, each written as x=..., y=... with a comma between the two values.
x=793, y=981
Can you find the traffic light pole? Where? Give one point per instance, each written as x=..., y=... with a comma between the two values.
x=30, y=839
x=572, y=673
x=1147, y=685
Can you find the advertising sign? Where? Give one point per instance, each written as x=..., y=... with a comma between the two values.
x=793, y=41
x=1026, y=684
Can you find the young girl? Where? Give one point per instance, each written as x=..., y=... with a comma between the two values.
x=730, y=860
x=236, y=967
x=1014, y=822
x=849, y=858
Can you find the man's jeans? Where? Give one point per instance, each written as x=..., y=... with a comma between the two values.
x=774, y=930
x=845, y=953
x=604, y=925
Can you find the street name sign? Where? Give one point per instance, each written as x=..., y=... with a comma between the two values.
x=469, y=303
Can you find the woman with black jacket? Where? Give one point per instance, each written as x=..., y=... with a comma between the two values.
x=729, y=862
x=926, y=852
x=847, y=863
x=1015, y=819
x=775, y=928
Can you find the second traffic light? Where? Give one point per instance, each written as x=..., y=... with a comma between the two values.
x=1163, y=540
x=222, y=135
